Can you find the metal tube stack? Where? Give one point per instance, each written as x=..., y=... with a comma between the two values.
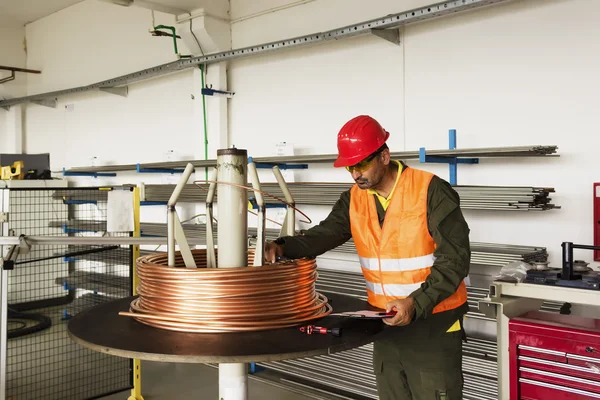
x=494, y=152
x=351, y=372
x=507, y=198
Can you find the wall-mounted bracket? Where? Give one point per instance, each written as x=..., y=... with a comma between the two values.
x=451, y=161
x=280, y=166
x=94, y=174
x=391, y=35
x=46, y=102
x=153, y=203
x=209, y=91
x=118, y=90
x=141, y=170
x=9, y=78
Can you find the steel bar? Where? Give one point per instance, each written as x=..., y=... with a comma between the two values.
x=210, y=241
x=232, y=206
x=392, y=21
x=525, y=198
x=171, y=221
x=261, y=222
x=492, y=152
x=89, y=240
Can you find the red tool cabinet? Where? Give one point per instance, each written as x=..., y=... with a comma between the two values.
x=554, y=357
x=596, y=220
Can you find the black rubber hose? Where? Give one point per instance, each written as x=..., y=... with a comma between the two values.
x=43, y=322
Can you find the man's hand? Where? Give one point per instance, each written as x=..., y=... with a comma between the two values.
x=405, y=309
x=272, y=251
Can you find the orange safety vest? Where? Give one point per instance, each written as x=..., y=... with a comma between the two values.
x=396, y=258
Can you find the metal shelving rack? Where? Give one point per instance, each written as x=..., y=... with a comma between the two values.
x=54, y=281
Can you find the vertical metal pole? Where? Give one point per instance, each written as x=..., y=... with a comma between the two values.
x=189, y=170
x=567, y=261
x=136, y=392
x=452, y=161
x=260, y=228
x=232, y=238
x=4, y=207
x=232, y=203
x=290, y=217
x=211, y=259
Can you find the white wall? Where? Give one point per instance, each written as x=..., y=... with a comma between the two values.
x=519, y=73
x=511, y=74
x=157, y=115
x=12, y=53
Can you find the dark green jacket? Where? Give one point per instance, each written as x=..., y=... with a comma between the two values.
x=446, y=224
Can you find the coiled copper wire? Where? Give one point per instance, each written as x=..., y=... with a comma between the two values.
x=210, y=300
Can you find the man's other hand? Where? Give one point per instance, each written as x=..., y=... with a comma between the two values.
x=272, y=251
x=405, y=309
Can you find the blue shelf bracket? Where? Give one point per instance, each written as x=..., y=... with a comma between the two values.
x=254, y=205
x=141, y=170
x=451, y=161
x=94, y=174
x=281, y=166
x=255, y=368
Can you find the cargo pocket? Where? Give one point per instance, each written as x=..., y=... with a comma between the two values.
x=441, y=385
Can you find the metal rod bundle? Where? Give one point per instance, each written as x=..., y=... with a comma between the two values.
x=229, y=299
x=512, y=151
x=508, y=198
x=352, y=372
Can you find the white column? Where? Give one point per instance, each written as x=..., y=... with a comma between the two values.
x=14, y=130
x=217, y=107
x=232, y=239
x=232, y=233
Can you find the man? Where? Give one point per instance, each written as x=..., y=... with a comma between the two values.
x=413, y=244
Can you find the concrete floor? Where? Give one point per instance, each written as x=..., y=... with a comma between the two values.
x=167, y=381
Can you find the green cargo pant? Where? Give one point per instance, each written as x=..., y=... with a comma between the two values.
x=421, y=365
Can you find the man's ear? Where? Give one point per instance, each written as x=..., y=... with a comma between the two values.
x=386, y=157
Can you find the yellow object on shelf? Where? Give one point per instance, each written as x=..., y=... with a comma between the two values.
x=15, y=171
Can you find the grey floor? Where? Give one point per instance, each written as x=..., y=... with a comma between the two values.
x=167, y=381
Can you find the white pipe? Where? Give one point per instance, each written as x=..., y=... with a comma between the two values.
x=232, y=204
x=233, y=382
x=270, y=10
x=189, y=169
x=90, y=240
x=259, y=254
x=290, y=217
x=233, y=248
x=211, y=259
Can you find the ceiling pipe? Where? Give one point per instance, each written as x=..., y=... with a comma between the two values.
x=149, y=5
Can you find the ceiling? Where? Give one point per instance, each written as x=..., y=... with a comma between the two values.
x=26, y=11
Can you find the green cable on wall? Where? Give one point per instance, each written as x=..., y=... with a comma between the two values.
x=205, y=128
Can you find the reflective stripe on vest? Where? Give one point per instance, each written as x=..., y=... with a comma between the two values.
x=397, y=264
x=396, y=258
x=392, y=289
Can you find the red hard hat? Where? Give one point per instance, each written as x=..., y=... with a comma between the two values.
x=358, y=138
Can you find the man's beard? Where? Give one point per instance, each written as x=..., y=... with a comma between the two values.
x=368, y=183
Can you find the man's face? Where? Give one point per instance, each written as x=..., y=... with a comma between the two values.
x=368, y=174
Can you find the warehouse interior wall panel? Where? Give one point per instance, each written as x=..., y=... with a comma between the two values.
x=12, y=54
x=501, y=76
x=157, y=115
x=506, y=76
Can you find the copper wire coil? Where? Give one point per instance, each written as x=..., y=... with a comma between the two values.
x=215, y=300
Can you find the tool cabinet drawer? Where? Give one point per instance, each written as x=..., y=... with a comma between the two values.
x=578, y=371
x=554, y=357
x=535, y=390
x=560, y=379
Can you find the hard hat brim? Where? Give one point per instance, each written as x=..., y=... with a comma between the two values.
x=341, y=162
